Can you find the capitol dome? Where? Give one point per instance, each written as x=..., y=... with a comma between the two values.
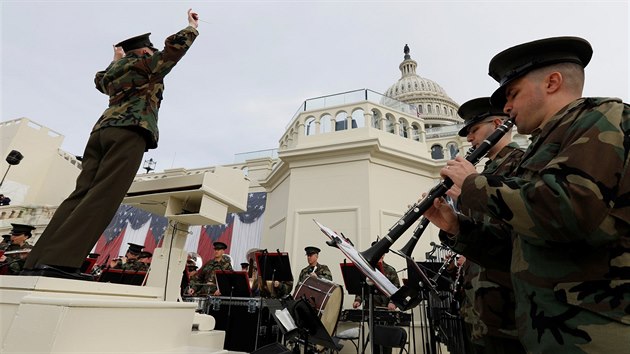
x=432, y=102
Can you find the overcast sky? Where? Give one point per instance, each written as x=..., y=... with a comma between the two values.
x=255, y=62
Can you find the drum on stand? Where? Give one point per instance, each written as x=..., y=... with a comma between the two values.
x=201, y=301
x=325, y=296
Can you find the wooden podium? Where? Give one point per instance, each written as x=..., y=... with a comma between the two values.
x=50, y=315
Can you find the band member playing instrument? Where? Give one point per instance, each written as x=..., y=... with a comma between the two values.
x=314, y=268
x=565, y=204
x=18, y=249
x=130, y=260
x=205, y=282
x=487, y=305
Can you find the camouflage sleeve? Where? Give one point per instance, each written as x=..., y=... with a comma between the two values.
x=487, y=244
x=98, y=79
x=284, y=288
x=568, y=185
x=175, y=46
x=324, y=272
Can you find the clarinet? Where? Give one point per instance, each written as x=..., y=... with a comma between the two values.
x=374, y=253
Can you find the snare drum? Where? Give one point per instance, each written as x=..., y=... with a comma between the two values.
x=201, y=303
x=325, y=296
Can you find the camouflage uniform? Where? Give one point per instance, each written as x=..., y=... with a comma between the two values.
x=205, y=282
x=322, y=271
x=132, y=265
x=380, y=299
x=490, y=302
x=567, y=207
x=127, y=128
x=15, y=262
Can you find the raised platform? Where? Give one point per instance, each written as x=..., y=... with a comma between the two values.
x=49, y=315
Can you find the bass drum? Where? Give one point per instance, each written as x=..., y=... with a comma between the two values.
x=325, y=296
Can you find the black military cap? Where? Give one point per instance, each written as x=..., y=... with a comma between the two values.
x=219, y=245
x=137, y=42
x=475, y=111
x=517, y=61
x=93, y=255
x=135, y=248
x=311, y=250
x=244, y=265
x=6, y=237
x=145, y=254
x=19, y=229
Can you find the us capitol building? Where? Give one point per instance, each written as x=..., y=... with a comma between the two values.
x=353, y=161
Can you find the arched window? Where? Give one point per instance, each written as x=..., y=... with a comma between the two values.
x=436, y=152
x=415, y=132
x=358, y=119
x=420, y=109
x=375, y=119
x=429, y=109
x=403, y=128
x=340, y=122
x=310, y=126
x=453, y=150
x=326, y=123
x=389, y=123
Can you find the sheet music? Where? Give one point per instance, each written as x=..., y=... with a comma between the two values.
x=285, y=319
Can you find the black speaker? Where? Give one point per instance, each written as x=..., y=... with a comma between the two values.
x=273, y=348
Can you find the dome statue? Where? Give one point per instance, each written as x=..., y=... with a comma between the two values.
x=432, y=102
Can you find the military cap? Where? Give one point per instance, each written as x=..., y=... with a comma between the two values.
x=311, y=250
x=93, y=255
x=244, y=265
x=135, y=248
x=19, y=229
x=145, y=254
x=475, y=111
x=517, y=61
x=219, y=245
x=6, y=237
x=137, y=42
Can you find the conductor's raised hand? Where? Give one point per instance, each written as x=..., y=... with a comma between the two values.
x=119, y=53
x=193, y=18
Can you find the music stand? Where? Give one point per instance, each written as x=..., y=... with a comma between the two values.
x=310, y=329
x=274, y=266
x=88, y=265
x=234, y=283
x=120, y=276
x=435, y=269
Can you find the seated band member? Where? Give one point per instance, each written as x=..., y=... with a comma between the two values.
x=12, y=264
x=204, y=282
x=130, y=260
x=314, y=268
